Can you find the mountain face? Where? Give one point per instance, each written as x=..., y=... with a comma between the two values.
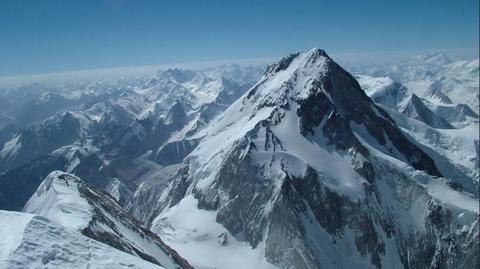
x=68, y=201
x=306, y=171
x=34, y=142
x=31, y=241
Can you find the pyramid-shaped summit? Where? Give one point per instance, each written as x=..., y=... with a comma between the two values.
x=321, y=90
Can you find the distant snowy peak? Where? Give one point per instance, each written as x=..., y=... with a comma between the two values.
x=393, y=95
x=434, y=76
x=420, y=67
x=68, y=201
x=429, y=61
x=194, y=86
x=40, y=139
x=434, y=92
x=180, y=76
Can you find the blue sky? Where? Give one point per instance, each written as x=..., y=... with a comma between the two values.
x=52, y=36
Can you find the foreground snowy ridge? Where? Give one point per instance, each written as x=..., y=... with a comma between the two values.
x=306, y=171
x=32, y=241
x=65, y=199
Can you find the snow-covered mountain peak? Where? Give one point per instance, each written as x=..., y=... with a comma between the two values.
x=435, y=93
x=297, y=70
x=200, y=79
x=393, y=95
x=430, y=59
x=178, y=75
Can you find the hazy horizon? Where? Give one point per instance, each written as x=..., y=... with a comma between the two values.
x=353, y=59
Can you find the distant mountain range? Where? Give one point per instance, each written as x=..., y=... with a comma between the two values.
x=435, y=76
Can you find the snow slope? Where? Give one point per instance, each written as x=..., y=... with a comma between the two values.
x=31, y=241
x=194, y=233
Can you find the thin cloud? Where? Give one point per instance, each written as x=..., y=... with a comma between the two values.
x=348, y=59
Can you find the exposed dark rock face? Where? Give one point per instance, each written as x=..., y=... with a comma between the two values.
x=148, y=133
x=141, y=135
x=176, y=115
x=425, y=114
x=241, y=179
x=230, y=93
x=175, y=152
x=90, y=167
